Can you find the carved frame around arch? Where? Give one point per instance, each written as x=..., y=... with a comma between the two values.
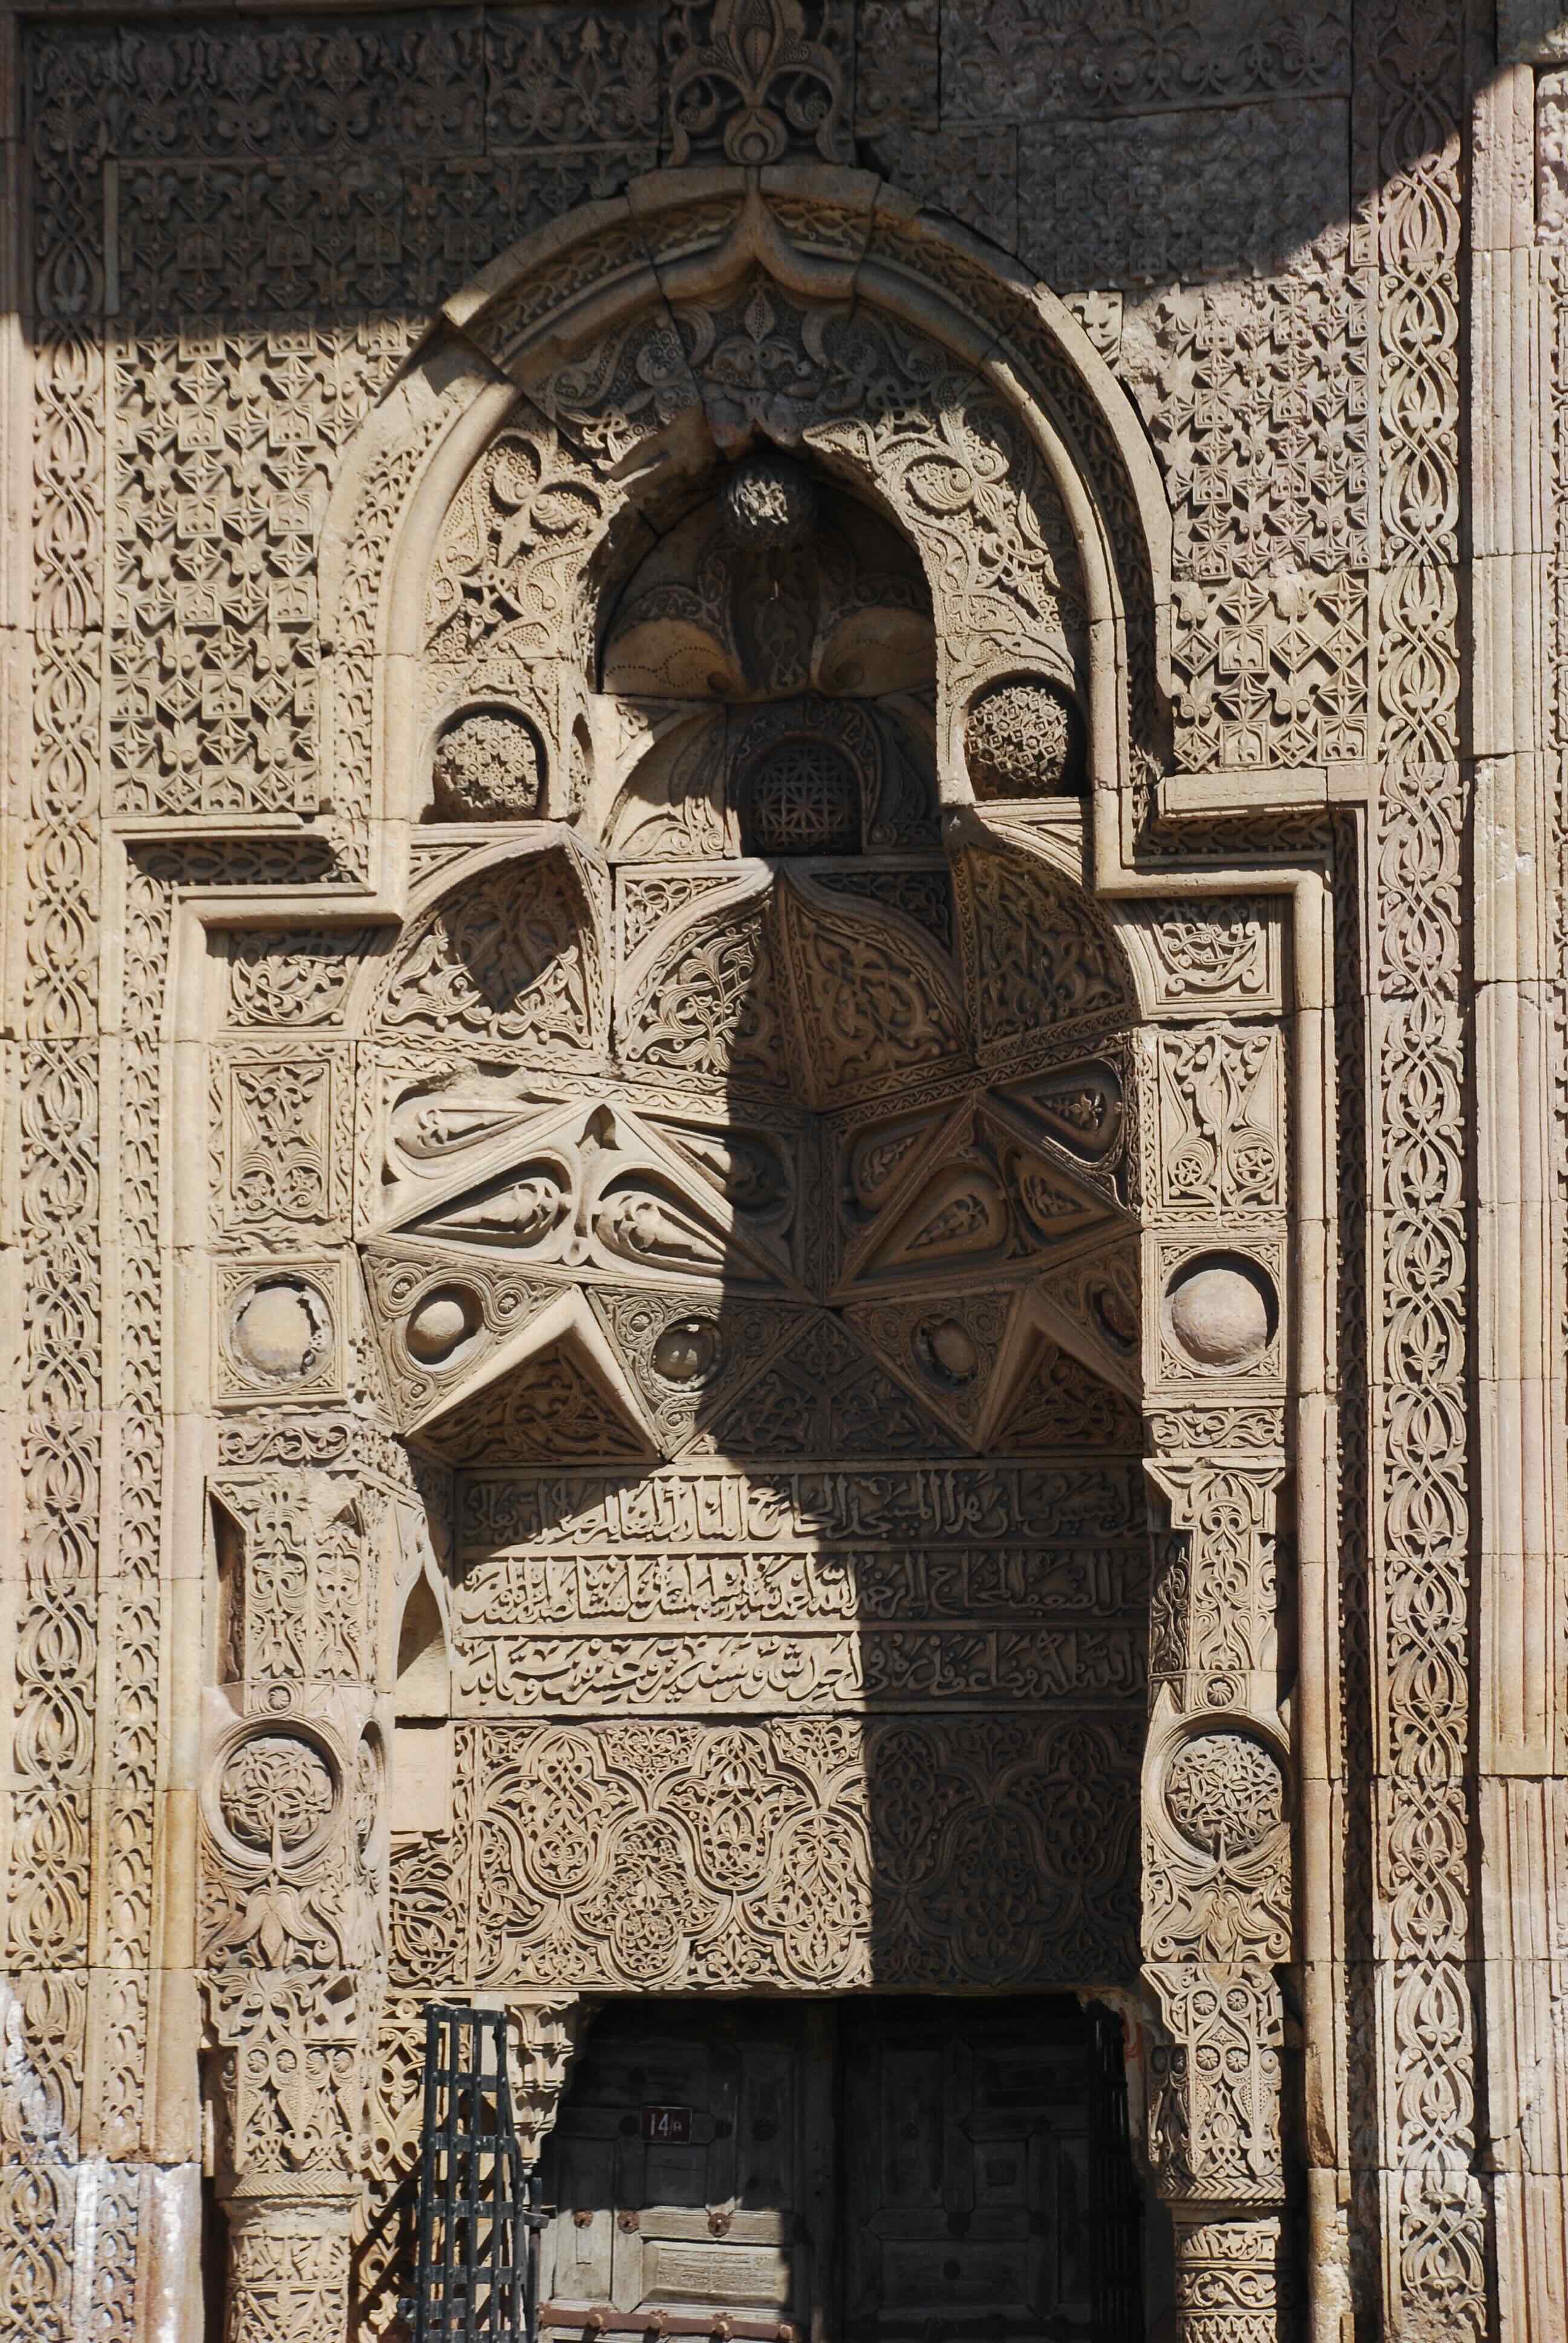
x=544, y=326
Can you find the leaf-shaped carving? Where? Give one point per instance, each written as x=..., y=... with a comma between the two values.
x=873, y=999
x=708, y=1004
x=1036, y=954
x=508, y=955
x=525, y=1210
x=640, y=1220
x=1078, y=1107
x=430, y=1127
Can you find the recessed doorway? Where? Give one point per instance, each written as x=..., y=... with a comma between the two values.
x=874, y=2170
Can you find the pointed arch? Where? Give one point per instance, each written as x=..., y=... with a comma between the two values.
x=610, y=339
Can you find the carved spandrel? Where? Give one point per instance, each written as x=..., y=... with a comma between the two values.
x=1208, y=959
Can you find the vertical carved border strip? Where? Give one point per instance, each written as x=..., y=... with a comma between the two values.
x=51, y=2213
x=1434, y=2226
x=1433, y=2218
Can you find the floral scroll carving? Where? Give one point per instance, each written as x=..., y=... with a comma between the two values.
x=785, y=1856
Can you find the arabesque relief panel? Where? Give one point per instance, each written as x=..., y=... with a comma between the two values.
x=762, y=858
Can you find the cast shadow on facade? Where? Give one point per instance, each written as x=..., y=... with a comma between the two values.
x=787, y=1203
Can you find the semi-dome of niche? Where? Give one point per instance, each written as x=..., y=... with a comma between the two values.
x=793, y=624
x=779, y=582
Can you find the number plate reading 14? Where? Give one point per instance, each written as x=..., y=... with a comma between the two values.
x=667, y=2124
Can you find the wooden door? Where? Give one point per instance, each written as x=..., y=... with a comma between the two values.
x=691, y=2168
x=864, y=2171
x=974, y=2176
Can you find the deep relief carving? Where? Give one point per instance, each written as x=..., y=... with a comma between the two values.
x=1212, y=1614
x=1231, y=2278
x=507, y=587
x=804, y=1505
x=824, y=1396
x=291, y=2079
x=781, y=1622
x=182, y=475
x=282, y=1131
x=758, y=1674
x=1272, y=672
x=488, y=766
x=750, y=82
x=710, y=1005
x=558, y=1408
x=1204, y=958
x=1036, y=956
x=278, y=1333
x=1217, y=1860
x=811, y=1854
x=1219, y=1315
x=1221, y=1106
x=291, y=976
x=1024, y=740
x=277, y=1790
x=778, y=584
x=514, y=958
x=301, y=1593
x=1214, y=2104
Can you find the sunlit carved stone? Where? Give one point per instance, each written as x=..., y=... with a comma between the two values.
x=442, y=1321
x=700, y=1304
x=275, y=1785
x=280, y=1330
x=1225, y=1791
x=1024, y=740
x=1220, y=1311
x=486, y=768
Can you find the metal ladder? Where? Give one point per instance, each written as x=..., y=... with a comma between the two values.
x=479, y=2216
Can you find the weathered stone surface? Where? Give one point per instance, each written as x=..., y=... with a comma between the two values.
x=784, y=1206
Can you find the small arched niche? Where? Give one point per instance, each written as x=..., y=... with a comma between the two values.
x=774, y=659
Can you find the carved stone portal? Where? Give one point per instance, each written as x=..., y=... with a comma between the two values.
x=693, y=1296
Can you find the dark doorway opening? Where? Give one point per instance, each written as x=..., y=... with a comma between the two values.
x=874, y=2170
